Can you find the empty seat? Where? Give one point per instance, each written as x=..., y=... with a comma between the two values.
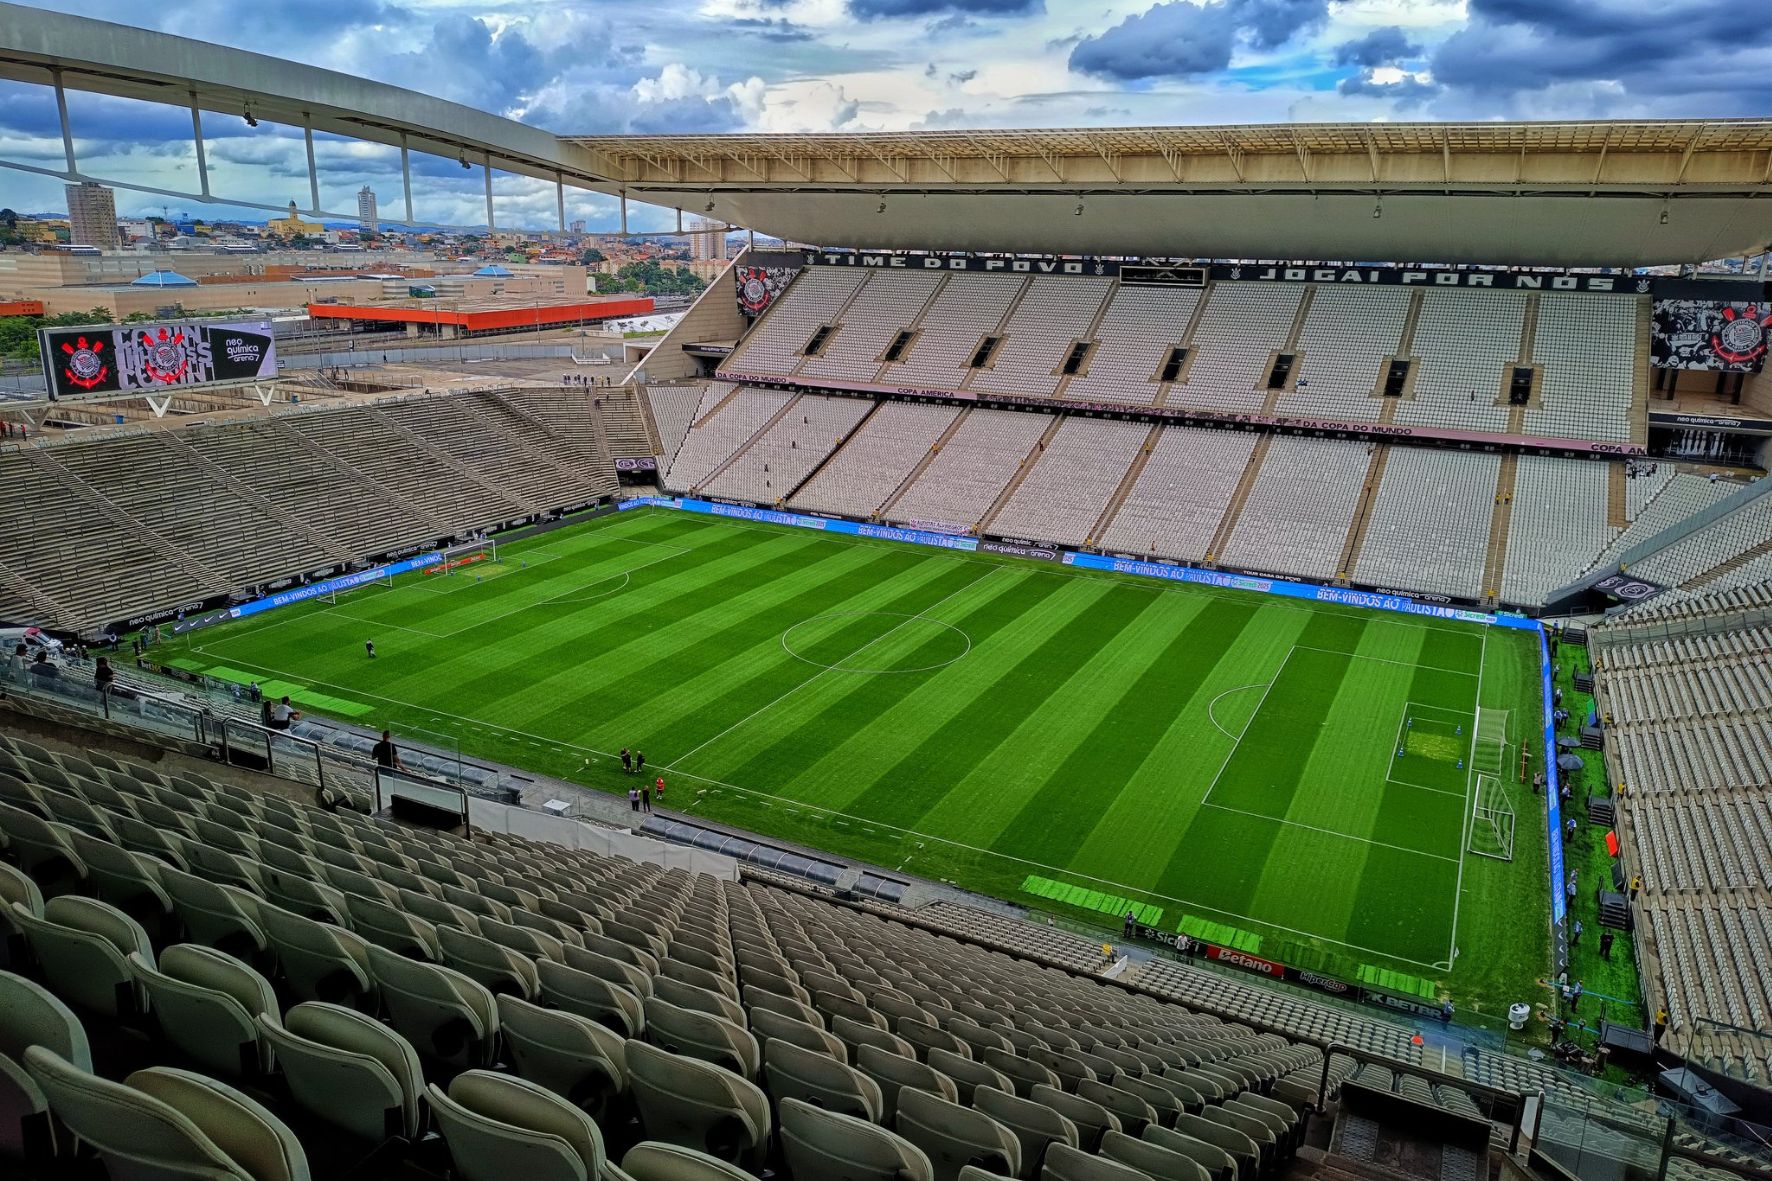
x=31, y=1015
x=1092, y=1119
x=766, y=1024
x=207, y=1003
x=318, y=961
x=1035, y=1125
x=443, y=1013
x=698, y=1105
x=953, y=1136
x=1218, y=1163
x=83, y=947
x=796, y=1073
x=349, y=1069
x=829, y=1146
x=217, y=915
x=494, y=966
x=570, y=1055
x=498, y=1127
x=162, y=1122
x=702, y=1035
x=652, y=1160
x=1064, y=1163
x=590, y=996
x=1162, y=1164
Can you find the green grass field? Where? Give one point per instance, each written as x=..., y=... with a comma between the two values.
x=1296, y=774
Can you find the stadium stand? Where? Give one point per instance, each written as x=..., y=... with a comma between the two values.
x=1743, y=527
x=1243, y=326
x=1068, y=489
x=185, y=512
x=1464, y=343
x=888, y=304
x=1674, y=498
x=876, y=460
x=971, y=469
x=673, y=408
x=782, y=456
x=720, y=433
x=1586, y=347
x=1429, y=523
x=1296, y=517
x=1559, y=522
x=968, y=308
x=778, y=342
x=1056, y=312
x=1174, y=508
x=1348, y=332
x=1139, y=328
x=591, y=1007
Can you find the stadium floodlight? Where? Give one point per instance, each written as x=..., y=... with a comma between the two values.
x=1079, y=210
x=463, y=159
x=251, y=121
x=1663, y=218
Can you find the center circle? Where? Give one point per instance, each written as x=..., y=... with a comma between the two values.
x=857, y=642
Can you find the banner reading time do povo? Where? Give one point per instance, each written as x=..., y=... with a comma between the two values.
x=153, y=358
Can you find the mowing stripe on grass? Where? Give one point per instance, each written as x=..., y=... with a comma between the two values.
x=1087, y=899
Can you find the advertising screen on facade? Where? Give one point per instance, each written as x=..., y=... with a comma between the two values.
x=1702, y=334
x=154, y=358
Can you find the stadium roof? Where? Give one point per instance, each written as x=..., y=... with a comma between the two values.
x=163, y=279
x=1567, y=193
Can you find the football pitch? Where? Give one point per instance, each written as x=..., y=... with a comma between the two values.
x=1297, y=775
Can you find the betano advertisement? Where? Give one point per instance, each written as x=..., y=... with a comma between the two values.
x=155, y=358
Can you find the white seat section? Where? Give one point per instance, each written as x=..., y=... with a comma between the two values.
x=1347, y=333
x=713, y=439
x=673, y=409
x=1465, y=342
x=880, y=311
x=1141, y=325
x=1429, y=524
x=1065, y=493
x=968, y=309
x=772, y=466
x=1057, y=310
x=1178, y=500
x=1557, y=526
x=972, y=469
x=1643, y=485
x=1743, y=527
x=1680, y=497
x=1587, y=347
x=891, y=443
x=1242, y=324
x=777, y=342
x=1296, y=518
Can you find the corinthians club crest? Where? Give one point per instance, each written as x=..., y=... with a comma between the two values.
x=84, y=362
x=1741, y=337
x=758, y=287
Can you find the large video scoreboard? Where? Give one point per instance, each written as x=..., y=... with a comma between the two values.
x=111, y=359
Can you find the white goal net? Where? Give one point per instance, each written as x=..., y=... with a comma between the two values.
x=1492, y=820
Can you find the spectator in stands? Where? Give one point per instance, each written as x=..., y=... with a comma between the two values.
x=102, y=676
x=386, y=754
x=1660, y=1023
x=15, y=664
x=1131, y=923
x=634, y=799
x=1446, y=1012
x=282, y=714
x=254, y=693
x=1636, y=886
x=44, y=668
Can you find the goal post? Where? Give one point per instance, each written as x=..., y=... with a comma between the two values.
x=462, y=558
x=1489, y=747
x=1492, y=820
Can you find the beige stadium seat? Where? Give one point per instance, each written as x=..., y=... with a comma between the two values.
x=702, y=1035
x=1092, y=1119
x=31, y=1015
x=495, y=966
x=220, y=916
x=652, y=1160
x=128, y=881
x=42, y=850
x=688, y=996
x=305, y=897
x=1163, y=1164
x=1244, y=1151
x=894, y=1072
x=1218, y=1163
x=1133, y=1112
x=570, y=1055
x=207, y=1004
x=319, y=961
x=1286, y=1120
x=498, y=1127
x=791, y=1003
x=1064, y=1163
x=391, y=928
x=1024, y=1074
x=968, y=1075
x=796, y=1073
x=1035, y=1125
x=1256, y=1129
x=165, y=1123
x=83, y=947
x=830, y=1146
x=766, y=1023
x=626, y=975
x=591, y=996
x=926, y=1037
x=443, y=1013
x=698, y=1105
x=15, y=886
x=348, y=1069
x=953, y=1136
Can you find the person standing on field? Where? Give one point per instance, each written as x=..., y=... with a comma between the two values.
x=627, y=762
x=369, y=647
x=657, y=791
x=639, y=762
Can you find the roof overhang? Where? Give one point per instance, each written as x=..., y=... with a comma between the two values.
x=1563, y=194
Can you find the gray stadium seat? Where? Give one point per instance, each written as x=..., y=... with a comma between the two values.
x=702, y=1035
x=570, y=1055
x=821, y=1145
x=652, y=1160
x=1091, y=1118
x=444, y=1014
x=698, y=1105
x=591, y=996
x=1035, y=1125
x=499, y=1127
x=1064, y=1163
x=1163, y=1164
x=894, y=1072
x=207, y=1003
x=319, y=961
x=348, y=1069
x=818, y=1079
x=953, y=1136
x=31, y=1015
x=83, y=946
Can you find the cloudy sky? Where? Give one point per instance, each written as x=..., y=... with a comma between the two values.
x=614, y=66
